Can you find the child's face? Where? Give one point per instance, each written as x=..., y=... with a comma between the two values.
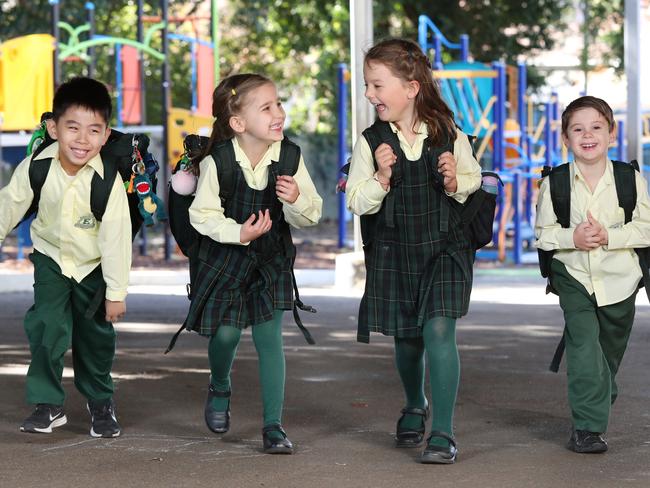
x=262, y=116
x=81, y=133
x=588, y=136
x=392, y=97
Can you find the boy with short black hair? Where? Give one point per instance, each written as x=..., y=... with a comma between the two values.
x=77, y=259
x=595, y=269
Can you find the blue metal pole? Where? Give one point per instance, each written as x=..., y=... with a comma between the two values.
x=548, y=134
x=437, y=45
x=464, y=47
x=522, y=82
x=528, y=209
x=342, y=146
x=620, y=141
x=516, y=203
x=556, y=116
x=503, y=115
x=422, y=32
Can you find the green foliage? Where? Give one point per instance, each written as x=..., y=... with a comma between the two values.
x=603, y=27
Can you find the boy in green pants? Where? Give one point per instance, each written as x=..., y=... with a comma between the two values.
x=595, y=269
x=75, y=257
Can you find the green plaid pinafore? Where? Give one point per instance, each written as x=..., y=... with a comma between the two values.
x=418, y=260
x=242, y=285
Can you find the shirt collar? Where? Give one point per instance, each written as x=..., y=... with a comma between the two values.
x=271, y=154
x=52, y=151
x=422, y=132
x=607, y=178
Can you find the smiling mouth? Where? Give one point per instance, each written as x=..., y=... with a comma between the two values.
x=80, y=153
x=276, y=127
x=380, y=107
x=589, y=146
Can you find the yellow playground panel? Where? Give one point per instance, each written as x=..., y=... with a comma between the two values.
x=26, y=81
x=181, y=122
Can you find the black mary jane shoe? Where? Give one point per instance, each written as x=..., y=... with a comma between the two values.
x=406, y=437
x=585, y=442
x=218, y=422
x=273, y=445
x=439, y=454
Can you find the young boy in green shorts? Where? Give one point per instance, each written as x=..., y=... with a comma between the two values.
x=595, y=269
x=75, y=258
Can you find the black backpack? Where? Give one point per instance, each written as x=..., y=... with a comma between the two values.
x=560, y=187
x=121, y=153
x=189, y=239
x=476, y=214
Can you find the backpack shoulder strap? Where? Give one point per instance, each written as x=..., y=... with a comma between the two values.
x=100, y=188
x=223, y=154
x=38, y=170
x=289, y=158
x=560, y=183
x=378, y=133
x=624, y=178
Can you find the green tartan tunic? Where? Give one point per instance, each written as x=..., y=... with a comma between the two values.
x=242, y=285
x=418, y=260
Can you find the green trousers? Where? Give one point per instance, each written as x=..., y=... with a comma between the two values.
x=596, y=338
x=55, y=322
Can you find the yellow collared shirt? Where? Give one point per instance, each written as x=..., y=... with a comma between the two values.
x=65, y=229
x=364, y=194
x=610, y=272
x=207, y=215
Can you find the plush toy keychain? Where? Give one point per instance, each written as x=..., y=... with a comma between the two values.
x=140, y=182
x=184, y=180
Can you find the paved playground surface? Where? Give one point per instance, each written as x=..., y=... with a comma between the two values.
x=342, y=401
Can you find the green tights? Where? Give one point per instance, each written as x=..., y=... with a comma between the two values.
x=439, y=342
x=267, y=338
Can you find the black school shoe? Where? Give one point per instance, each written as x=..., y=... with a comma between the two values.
x=585, y=442
x=218, y=422
x=439, y=454
x=411, y=437
x=102, y=417
x=273, y=445
x=44, y=418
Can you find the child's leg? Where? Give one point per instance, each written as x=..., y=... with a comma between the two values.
x=444, y=373
x=48, y=324
x=93, y=342
x=268, y=343
x=409, y=359
x=588, y=374
x=615, y=326
x=221, y=353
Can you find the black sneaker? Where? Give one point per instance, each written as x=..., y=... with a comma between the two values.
x=44, y=418
x=585, y=442
x=102, y=416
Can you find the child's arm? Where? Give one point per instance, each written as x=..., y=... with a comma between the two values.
x=303, y=205
x=15, y=199
x=636, y=233
x=114, y=243
x=466, y=173
x=364, y=192
x=206, y=213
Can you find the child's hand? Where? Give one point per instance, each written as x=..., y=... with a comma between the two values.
x=447, y=168
x=601, y=231
x=251, y=231
x=114, y=310
x=385, y=158
x=287, y=188
x=585, y=237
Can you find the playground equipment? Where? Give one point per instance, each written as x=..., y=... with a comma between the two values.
x=516, y=136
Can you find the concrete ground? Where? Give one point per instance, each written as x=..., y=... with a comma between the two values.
x=342, y=401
